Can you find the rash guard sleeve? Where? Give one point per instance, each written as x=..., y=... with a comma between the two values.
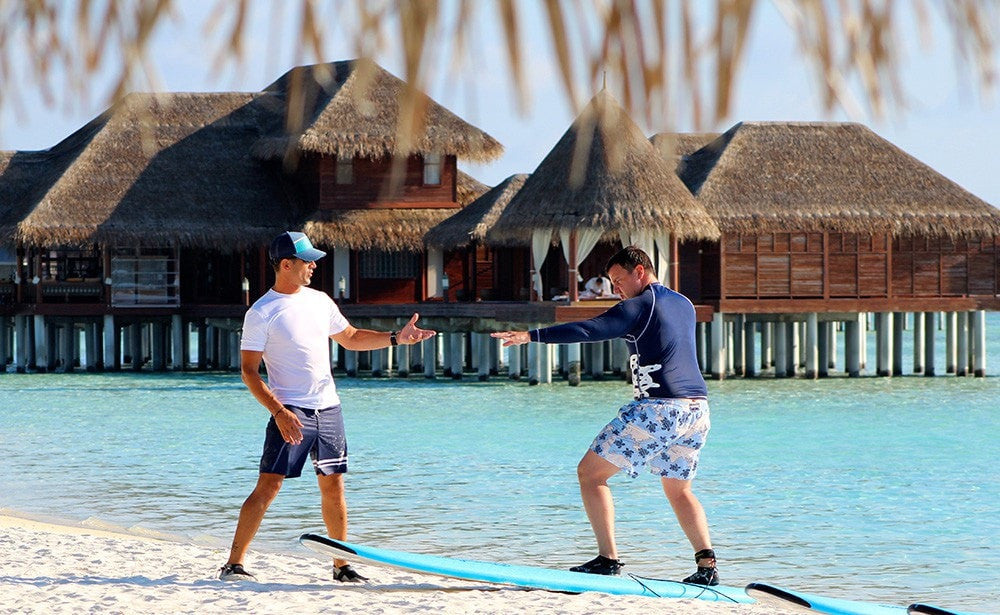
x=614, y=323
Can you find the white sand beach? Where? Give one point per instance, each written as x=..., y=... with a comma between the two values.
x=49, y=568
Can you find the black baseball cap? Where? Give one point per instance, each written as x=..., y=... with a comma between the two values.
x=291, y=244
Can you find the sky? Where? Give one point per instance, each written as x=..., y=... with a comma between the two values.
x=946, y=122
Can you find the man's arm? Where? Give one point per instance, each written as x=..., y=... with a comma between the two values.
x=612, y=324
x=288, y=424
x=352, y=338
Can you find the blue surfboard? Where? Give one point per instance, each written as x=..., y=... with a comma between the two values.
x=927, y=609
x=779, y=596
x=522, y=576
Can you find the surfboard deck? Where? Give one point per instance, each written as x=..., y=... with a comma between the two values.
x=533, y=577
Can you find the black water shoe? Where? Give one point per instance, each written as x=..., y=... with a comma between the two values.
x=600, y=565
x=346, y=574
x=704, y=576
x=235, y=572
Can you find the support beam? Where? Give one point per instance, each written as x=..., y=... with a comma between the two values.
x=979, y=343
x=950, y=342
x=929, y=330
x=749, y=350
x=514, y=362
x=962, y=344
x=918, y=343
x=823, y=348
x=884, y=343
x=780, y=350
x=852, y=346
x=718, y=360
x=430, y=357
x=812, y=345
x=898, y=324
x=573, y=364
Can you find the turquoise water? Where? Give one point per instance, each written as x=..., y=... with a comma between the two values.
x=879, y=489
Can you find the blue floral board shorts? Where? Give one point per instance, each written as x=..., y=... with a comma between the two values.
x=666, y=435
x=323, y=440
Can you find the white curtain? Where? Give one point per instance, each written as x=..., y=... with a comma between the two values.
x=662, y=262
x=640, y=239
x=540, y=239
x=586, y=239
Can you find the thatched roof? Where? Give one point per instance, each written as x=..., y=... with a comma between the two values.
x=351, y=108
x=389, y=229
x=157, y=168
x=603, y=173
x=673, y=146
x=468, y=188
x=472, y=223
x=374, y=229
x=840, y=177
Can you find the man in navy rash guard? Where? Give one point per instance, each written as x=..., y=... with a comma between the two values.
x=665, y=425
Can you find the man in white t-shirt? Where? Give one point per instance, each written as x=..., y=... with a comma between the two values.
x=288, y=329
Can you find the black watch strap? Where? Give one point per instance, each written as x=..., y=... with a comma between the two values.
x=392, y=339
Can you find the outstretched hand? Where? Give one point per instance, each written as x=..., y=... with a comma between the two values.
x=512, y=338
x=412, y=334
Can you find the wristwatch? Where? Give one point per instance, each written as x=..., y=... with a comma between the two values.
x=392, y=339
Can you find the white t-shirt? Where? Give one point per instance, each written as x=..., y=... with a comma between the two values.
x=293, y=332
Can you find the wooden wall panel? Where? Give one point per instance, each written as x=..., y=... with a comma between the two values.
x=372, y=186
x=843, y=272
x=807, y=275
x=955, y=273
x=775, y=278
x=926, y=274
x=982, y=274
x=872, y=274
x=741, y=275
x=902, y=274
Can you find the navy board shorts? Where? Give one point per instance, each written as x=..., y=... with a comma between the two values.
x=323, y=440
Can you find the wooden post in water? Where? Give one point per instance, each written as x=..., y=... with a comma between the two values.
x=918, y=343
x=177, y=343
x=738, y=346
x=430, y=357
x=823, y=348
x=929, y=330
x=534, y=363
x=573, y=364
x=403, y=360
x=514, y=362
x=619, y=357
x=812, y=345
x=949, y=342
x=700, y=341
x=898, y=322
x=159, y=347
x=883, y=343
x=792, y=354
x=483, y=352
x=766, y=344
x=351, y=363
x=545, y=376
x=750, y=362
x=41, y=343
x=831, y=336
x=961, y=343
x=457, y=355
x=21, y=344
x=979, y=343
x=718, y=359
x=780, y=350
x=596, y=359
x=852, y=347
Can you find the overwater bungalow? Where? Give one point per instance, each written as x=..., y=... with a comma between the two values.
x=153, y=217
x=823, y=222
x=602, y=185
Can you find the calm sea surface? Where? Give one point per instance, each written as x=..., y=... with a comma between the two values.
x=871, y=488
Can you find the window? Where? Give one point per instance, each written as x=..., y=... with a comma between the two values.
x=388, y=265
x=345, y=171
x=432, y=169
x=71, y=265
x=144, y=276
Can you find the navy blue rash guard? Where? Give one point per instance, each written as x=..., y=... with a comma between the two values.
x=658, y=327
